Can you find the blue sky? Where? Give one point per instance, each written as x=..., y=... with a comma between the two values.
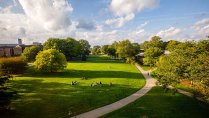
x=103, y=21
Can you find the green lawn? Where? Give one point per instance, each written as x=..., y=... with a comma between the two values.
x=157, y=104
x=52, y=96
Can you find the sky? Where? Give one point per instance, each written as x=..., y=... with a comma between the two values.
x=103, y=21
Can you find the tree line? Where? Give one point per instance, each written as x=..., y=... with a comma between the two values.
x=124, y=50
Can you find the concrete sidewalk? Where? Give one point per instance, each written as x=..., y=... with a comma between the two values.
x=150, y=82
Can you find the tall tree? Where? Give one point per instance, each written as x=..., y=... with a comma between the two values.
x=96, y=50
x=85, y=47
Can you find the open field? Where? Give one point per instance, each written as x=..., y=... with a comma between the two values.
x=157, y=104
x=53, y=96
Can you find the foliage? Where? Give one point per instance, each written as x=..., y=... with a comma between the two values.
x=125, y=49
x=85, y=47
x=69, y=47
x=130, y=60
x=104, y=49
x=12, y=65
x=172, y=45
x=153, y=50
x=30, y=52
x=189, y=61
x=50, y=60
x=96, y=50
x=152, y=55
x=111, y=52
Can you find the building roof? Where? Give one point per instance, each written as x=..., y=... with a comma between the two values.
x=10, y=45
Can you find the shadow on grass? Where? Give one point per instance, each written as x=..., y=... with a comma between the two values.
x=85, y=73
x=53, y=99
x=157, y=104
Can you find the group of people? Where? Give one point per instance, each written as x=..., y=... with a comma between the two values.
x=74, y=83
x=92, y=84
x=96, y=84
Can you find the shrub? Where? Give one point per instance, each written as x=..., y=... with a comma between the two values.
x=50, y=60
x=12, y=65
x=30, y=52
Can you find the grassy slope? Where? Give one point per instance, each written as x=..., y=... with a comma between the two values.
x=51, y=95
x=157, y=104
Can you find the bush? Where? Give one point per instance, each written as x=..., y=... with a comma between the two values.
x=50, y=60
x=30, y=52
x=12, y=65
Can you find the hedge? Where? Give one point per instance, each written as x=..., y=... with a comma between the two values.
x=12, y=65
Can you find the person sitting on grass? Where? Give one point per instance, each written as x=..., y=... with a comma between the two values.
x=110, y=83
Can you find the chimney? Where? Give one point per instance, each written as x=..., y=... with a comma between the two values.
x=19, y=41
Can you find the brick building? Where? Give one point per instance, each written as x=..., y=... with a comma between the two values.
x=9, y=50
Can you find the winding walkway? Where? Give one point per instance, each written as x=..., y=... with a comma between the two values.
x=150, y=82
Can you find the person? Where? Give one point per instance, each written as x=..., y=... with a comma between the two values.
x=100, y=82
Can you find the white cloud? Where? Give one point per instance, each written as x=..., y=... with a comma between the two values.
x=52, y=15
x=126, y=7
x=41, y=19
x=169, y=33
x=125, y=10
x=119, y=22
x=6, y=10
x=201, y=27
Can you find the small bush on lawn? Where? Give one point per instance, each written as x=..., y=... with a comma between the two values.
x=12, y=65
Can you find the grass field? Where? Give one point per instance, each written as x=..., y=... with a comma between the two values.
x=52, y=96
x=157, y=104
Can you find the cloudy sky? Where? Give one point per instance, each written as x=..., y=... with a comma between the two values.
x=103, y=21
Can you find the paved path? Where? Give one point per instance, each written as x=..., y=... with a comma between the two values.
x=150, y=82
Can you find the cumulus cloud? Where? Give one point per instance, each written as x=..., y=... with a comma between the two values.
x=169, y=33
x=201, y=26
x=125, y=10
x=52, y=15
x=87, y=25
x=119, y=22
x=41, y=19
x=126, y=7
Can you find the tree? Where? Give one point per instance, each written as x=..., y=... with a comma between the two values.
x=125, y=49
x=111, y=52
x=85, y=47
x=151, y=56
x=104, y=49
x=69, y=47
x=73, y=48
x=50, y=60
x=96, y=50
x=186, y=62
x=153, y=49
x=55, y=43
x=172, y=45
x=136, y=47
x=30, y=52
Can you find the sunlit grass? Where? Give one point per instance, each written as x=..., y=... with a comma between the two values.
x=52, y=95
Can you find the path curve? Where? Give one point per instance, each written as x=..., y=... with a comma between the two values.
x=150, y=82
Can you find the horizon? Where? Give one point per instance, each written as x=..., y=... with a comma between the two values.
x=103, y=22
